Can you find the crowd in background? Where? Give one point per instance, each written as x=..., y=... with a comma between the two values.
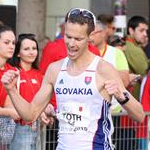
x=130, y=55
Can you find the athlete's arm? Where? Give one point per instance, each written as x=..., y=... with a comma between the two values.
x=29, y=111
x=114, y=86
x=125, y=77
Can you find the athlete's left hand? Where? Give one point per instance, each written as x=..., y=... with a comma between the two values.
x=113, y=88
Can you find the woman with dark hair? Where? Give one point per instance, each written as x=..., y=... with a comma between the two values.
x=7, y=47
x=25, y=58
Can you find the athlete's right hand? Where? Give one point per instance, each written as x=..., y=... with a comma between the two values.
x=9, y=79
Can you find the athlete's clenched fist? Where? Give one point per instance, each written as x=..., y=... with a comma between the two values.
x=9, y=79
x=113, y=88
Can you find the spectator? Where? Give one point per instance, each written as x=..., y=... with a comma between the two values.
x=120, y=43
x=142, y=129
x=52, y=52
x=109, y=53
x=108, y=21
x=25, y=58
x=7, y=47
x=138, y=63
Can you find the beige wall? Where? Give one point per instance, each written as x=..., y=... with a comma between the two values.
x=31, y=18
x=56, y=11
x=43, y=17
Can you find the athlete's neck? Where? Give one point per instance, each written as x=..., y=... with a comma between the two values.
x=76, y=67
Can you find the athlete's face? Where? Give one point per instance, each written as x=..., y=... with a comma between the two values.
x=76, y=39
x=28, y=52
x=7, y=44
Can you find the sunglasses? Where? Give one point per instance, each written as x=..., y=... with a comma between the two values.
x=85, y=13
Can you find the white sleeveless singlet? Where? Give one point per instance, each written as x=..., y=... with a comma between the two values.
x=85, y=121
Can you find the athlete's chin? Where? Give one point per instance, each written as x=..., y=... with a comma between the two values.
x=72, y=56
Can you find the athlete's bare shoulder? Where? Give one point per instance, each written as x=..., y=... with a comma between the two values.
x=53, y=70
x=56, y=65
x=107, y=70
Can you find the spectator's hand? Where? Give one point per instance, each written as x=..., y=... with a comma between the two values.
x=49, y=110
x=47, y=117
x=10, y=112
x=14, y=115
x=46, y=120
x=134, y=78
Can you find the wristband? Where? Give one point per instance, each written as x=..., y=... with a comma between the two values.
x=126, y=98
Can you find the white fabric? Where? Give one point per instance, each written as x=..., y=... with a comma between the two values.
x=79, y=108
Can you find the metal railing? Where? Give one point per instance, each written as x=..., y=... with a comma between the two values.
x=128, y=134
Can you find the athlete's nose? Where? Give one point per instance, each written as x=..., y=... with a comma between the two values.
x=72, y=42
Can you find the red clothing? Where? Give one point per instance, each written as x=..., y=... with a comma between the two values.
x=52, y=52
x=141, y=129
x=3, y=92
x=146, y=95
x=30, y=82
x=94, y=49
x=145, y=101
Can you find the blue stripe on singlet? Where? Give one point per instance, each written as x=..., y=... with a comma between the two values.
x=100, y=142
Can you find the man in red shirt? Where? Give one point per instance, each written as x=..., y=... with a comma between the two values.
x=53, y=51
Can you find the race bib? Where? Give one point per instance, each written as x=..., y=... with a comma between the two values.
x=73, y=117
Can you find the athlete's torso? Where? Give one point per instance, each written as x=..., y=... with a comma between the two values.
x=84, y=117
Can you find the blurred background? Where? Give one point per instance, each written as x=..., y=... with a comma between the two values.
x=45, y=18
